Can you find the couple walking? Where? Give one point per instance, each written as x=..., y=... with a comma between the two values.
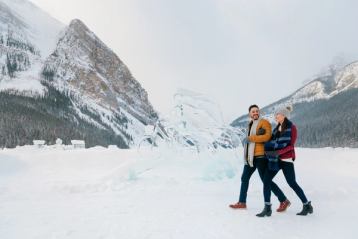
x=270, y=153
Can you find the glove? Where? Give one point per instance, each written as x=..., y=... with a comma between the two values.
x=261, y=131
x=272, y=154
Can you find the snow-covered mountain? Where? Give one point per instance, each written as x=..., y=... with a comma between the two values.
x=322, y=106
x=27, y=36
x=30, y=23
x=83, y=64
x=42, y=59
x=327, y=85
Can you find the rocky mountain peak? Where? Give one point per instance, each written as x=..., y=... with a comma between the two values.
x=78, y=23
x=85, y=64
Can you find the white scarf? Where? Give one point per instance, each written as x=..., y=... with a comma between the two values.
x=249, y=150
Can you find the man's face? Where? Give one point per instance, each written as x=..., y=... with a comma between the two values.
x=254, y=113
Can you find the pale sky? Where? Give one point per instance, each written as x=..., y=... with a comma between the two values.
x=238, y=52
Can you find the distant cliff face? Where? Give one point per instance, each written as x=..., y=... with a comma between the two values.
x=83, y=63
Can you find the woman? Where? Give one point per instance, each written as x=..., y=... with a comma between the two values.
x=280, y=151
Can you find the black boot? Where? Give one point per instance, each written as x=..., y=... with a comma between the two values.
x=307, y=208
x=266, y=212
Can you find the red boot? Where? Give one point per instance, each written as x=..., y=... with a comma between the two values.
x=283, y=206
x=239, y=205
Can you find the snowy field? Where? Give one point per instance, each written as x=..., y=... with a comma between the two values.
x=112, y=193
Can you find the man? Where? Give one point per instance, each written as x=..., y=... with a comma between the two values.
x=259, y=132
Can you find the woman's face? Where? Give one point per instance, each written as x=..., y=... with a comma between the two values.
x=279, y=118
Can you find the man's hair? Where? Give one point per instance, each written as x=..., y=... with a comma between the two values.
x=253, y=106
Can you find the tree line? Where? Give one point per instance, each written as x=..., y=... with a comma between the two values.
x=24, y=119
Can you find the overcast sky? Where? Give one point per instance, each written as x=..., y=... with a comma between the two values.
x=238, y=52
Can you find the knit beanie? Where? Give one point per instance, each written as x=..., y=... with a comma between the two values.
x=284, y=110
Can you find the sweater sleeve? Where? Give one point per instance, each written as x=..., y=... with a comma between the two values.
x=293, y=141
x=262, y=138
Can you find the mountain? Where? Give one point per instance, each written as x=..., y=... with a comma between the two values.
x=24, y=44
x=60, y=81
x=82, y=63
x=324, y=110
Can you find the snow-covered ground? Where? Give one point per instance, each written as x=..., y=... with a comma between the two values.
x=113, y=193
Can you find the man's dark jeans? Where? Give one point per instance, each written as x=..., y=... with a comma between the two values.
x=260, y=163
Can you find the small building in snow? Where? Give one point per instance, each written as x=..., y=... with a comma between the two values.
x=78, y=144
x=39, y=143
